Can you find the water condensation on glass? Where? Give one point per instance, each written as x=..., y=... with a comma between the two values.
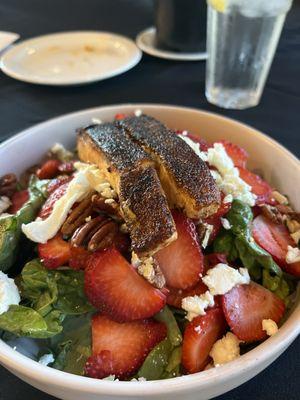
x=241, y=42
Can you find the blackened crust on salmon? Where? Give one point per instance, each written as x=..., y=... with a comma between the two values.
x=121, y=152
x=146, y=211
x=192, y=184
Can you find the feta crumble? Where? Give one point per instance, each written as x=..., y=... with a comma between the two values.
x=110, y=378
x=46, y=359
x=269, y=326
x=228, y=199
x=222, y=278
x=138, y=113
x=9, y=293
x=61, y=152
x=196, y=305
x=96, y=121
x=208, y=230
x=226, y=224
x=225, y=350
x=228, y=178
x=5, y=203
x=292, y=255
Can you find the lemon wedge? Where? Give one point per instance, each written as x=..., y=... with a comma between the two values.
x=219, y=5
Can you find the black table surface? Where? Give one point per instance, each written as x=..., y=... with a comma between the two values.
x=153, y=81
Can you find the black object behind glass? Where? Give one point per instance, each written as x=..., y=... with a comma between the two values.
x=181, y=25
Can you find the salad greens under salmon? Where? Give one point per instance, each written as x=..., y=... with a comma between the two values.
x=69, y=277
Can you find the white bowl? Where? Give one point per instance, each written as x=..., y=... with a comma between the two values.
x=280, y=167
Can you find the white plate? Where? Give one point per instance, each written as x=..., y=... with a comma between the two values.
x=70, y=58
x=146, y=42
x=201, y=386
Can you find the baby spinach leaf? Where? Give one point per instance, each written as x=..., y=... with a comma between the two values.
x=166, y=316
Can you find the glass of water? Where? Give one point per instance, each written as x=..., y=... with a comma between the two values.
x=242, y=37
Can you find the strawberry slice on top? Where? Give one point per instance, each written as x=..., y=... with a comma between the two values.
x=199, y=337
x=55, y=252
x=49, y=169
x=175, y=296
x=47, y=207
x=275, y=239
x=182, y=261
x=260, y=188
x=120, y=348
x=113, y=286
x=246, y=306
x=18, y=199
x=238, y=155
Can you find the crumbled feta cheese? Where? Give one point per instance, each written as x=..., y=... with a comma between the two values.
x=61, y=152
x=196, y=305
x=228, y=199
x=46, y=359
x=87, y=179
x=184, y=133
x=226, y=224
x=222, y=278
x=280, y=198
x=194, y=145
x=269, y=326
x=110, y=378
x=228, y=178
x=5, y=203
x=225, y=350
x=208, y=230
x=292, y=255
x=296, y=236
x=96, y=121
x=138, y=113
x=109, y=201
x=9, y=293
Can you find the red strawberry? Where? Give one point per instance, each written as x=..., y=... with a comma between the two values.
x=67, y=167
x=52, y=199
x=120, y=348
x=275, y=239
x=182, y=261
x=48, y=170
x=175, y=296
x=114, y=286
x=238, y=155
x=57, y=182
x=259, y=187
x=199, y=337
x=122, y=242
x=54, y=253
x=120, y=116
x=224, y=207
x=245, y=307
x=197, y=139
x=78, y=257
x=18, y=200
x=215, y=221
x=215, y=258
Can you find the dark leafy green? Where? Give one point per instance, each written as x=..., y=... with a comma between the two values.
x=237, y=243
x=156, y=362
x=10, y=226
x=174, y=334
x=73, y=346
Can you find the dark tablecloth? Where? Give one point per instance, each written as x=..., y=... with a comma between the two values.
x=153, y=80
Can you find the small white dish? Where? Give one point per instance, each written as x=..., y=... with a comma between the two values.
x=145, y=40
x=70, y=58
x=263, y=150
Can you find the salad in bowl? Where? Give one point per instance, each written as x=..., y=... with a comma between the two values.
x=144, y=254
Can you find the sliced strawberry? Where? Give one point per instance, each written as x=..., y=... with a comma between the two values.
x=114, y=286
x=215, y=221
x=182, y=261
x=120, y=116
x=67, y=167
x=48, y=170
x=199, y=337
x=215, y=258
x=223, y=209
x=57, y=182
x=275, y=239
x=52, y=199
x=122, y=242
x=18, y=199
x=78, y=257
x=246, y=306
x=120, y=348
x=175, y=296
x=260, y=188
x=54, y=253
x=238, y=155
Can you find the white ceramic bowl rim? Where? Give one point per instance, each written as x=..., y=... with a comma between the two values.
x=288, y=332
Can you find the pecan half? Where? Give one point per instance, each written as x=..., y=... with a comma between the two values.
x=78, y=216
x=272, y=213
x=8, y=185
x=106, y=206
x=96, y=234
